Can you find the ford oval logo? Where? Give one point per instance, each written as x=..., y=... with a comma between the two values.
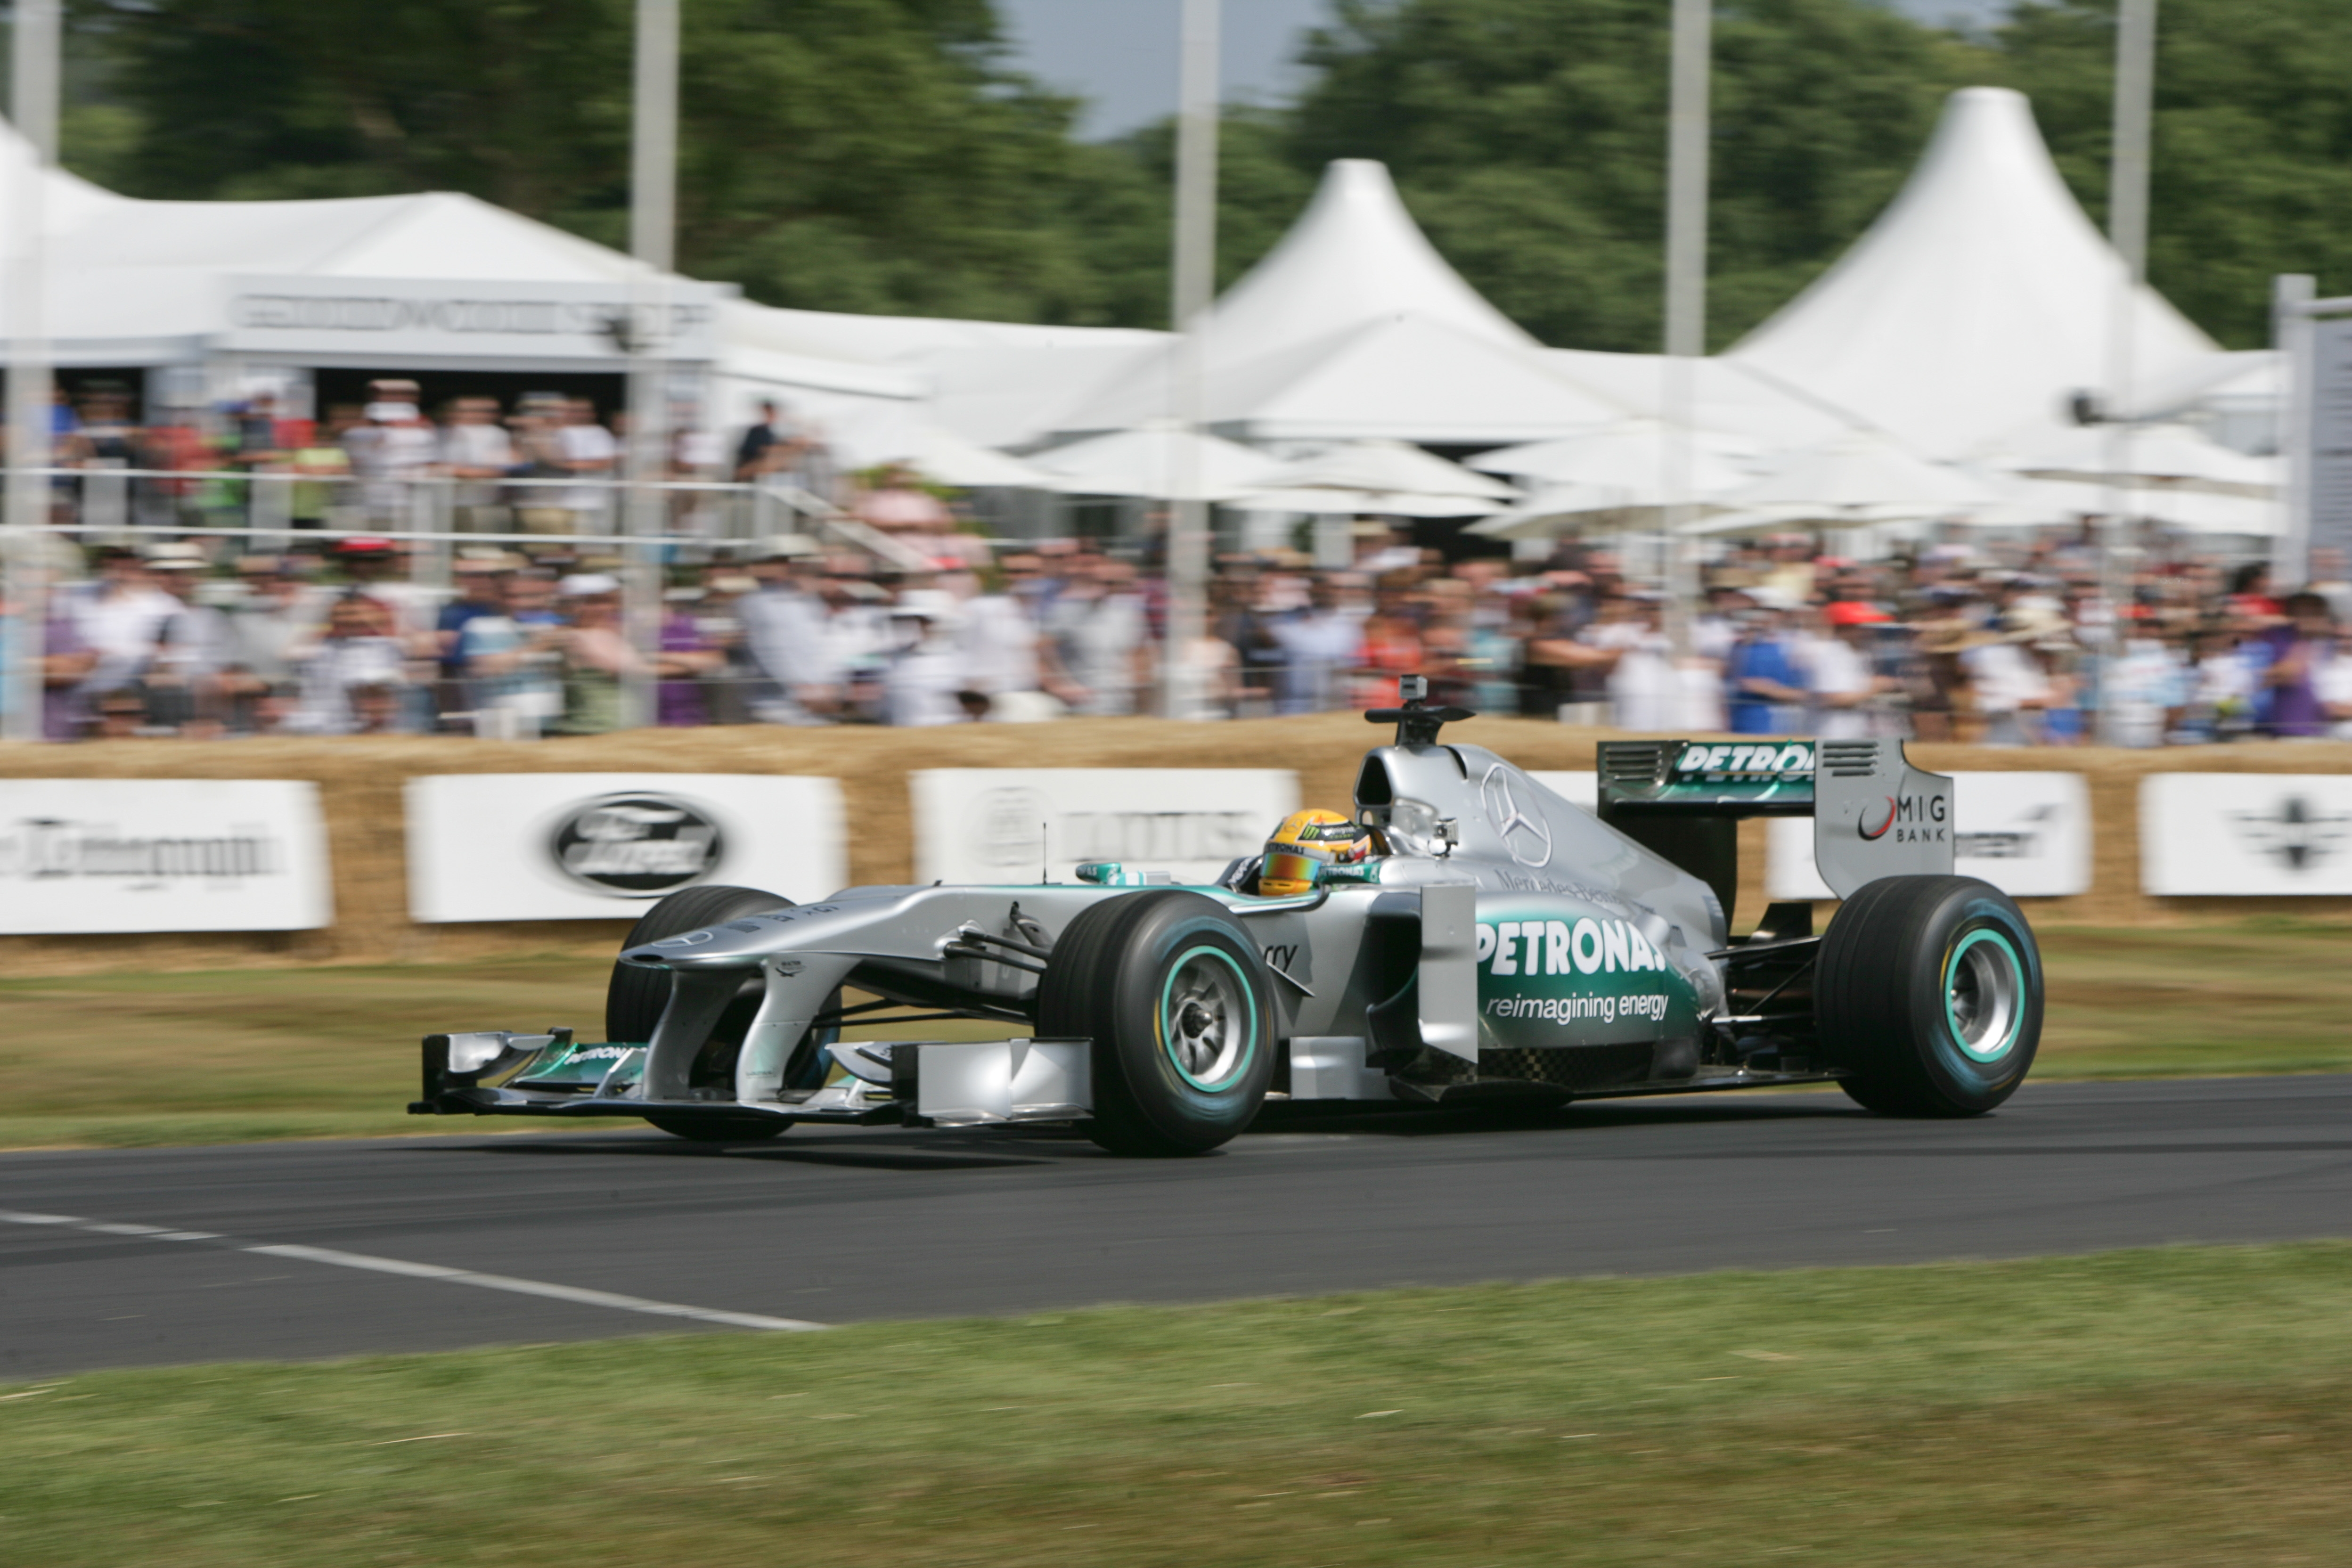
x=636, y=844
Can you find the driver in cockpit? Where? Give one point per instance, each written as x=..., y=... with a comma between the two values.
x=1305, y=840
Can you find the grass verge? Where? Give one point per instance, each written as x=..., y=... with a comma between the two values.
x=128, y=1059
x=2186, y=1406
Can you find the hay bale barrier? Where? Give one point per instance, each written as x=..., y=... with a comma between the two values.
x=360, y=780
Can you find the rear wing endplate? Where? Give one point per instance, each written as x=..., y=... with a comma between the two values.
x=1874, y=814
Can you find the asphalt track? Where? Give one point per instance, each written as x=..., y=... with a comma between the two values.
x=840, y=1226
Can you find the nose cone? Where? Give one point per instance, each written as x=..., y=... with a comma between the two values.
x=734, y=944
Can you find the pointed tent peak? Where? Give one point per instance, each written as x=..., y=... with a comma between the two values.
x=1979, y=300
x=1354, y=255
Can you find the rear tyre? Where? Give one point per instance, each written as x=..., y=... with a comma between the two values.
x=1929, y=995
x=635, y=997
x=1173, y=995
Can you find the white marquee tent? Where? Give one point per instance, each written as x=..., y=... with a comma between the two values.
x=1354, y=327
x=1977, y=304
x=227, y=292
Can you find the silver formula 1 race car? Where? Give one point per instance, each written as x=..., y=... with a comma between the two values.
x=1499, y=946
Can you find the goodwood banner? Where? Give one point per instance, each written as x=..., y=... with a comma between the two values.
x=1008, y=825
x=2244, y=834
x=87, y=856
x=576, y=846
x=2027, y=834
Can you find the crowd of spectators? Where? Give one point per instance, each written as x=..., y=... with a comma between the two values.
x=2004, y=645
x=2004, y=640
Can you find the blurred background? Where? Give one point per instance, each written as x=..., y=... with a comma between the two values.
x=453, y=370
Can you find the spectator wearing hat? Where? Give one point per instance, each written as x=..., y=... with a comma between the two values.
x=598, y=662
x=194, y=648
x=925, y=682
x=391, y=448
x=512, y=659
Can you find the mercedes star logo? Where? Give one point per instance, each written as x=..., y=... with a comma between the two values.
x=1527, y=836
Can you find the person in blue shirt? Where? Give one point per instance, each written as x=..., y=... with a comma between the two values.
x=1761, y=682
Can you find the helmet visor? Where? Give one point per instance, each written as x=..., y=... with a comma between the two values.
x=1281, y=866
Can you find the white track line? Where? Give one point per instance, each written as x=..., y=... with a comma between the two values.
x=429, y=1271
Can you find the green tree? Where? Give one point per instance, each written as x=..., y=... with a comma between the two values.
x=2251, y=173
x=850, y=154
x=1529, y=137
x=881, y=156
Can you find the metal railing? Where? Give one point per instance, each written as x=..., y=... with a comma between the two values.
x=646, y=523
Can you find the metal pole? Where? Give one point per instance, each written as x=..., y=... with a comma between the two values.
x=653, y=227
x=1194, y=284
x=1687, y=180
x=33, y=105
x=2293, y=336
x=2128, y=229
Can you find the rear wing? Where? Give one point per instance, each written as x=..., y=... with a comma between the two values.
x=1874, y=814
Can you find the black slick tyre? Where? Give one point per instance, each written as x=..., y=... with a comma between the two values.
x=1177, y=1001
x=635, y=999
x=1929, y=995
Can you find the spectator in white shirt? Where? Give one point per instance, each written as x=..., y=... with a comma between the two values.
x=1835, y=661
x=586, y=449
x=120, y=618
x=476, y=449
x=1320, y=644
x=1099, y=633
x=2011, y=689
x=924, y=683
x=353, y=653
x=2331, y=682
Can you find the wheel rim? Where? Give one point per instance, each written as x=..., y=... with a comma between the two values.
x=1984, y=995
x=1207, y=1024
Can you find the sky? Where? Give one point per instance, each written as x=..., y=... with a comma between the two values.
x=1121, y=54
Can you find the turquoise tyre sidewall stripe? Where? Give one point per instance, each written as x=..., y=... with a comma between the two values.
x=1248, y=1054
x=2008, y=1042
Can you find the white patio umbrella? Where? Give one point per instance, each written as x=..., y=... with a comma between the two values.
x=945, y=457
x=1780, y=519
x=1558, y=508
x=1378, y=477
x=2180, y=510
x=1841, y=478
x=1160, y=461
x=1629, y=455
x=2167, y=457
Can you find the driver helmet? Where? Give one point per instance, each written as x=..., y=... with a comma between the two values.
x=1305, y=840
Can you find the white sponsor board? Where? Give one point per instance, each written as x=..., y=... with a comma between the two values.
x=1576, y=786
x=580, y=846
x=2244, y=834
x=2027, y=834
x=82, y=856
x=306, y=315
x=1011, y=824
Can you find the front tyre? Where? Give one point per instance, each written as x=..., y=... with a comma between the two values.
x=635, y=997
x=1929, y=995
x=1176, y=1000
